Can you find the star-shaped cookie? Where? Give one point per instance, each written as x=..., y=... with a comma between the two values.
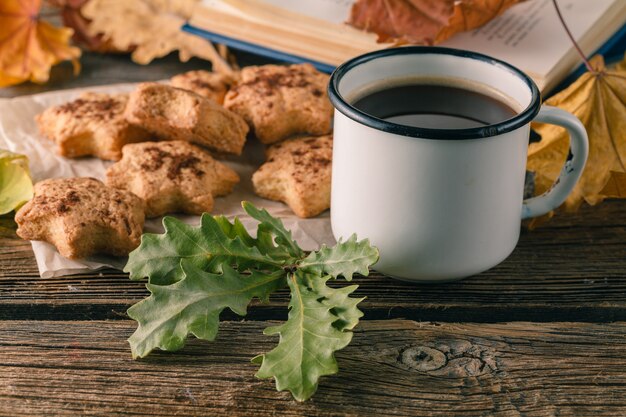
x=298, y=172
x=173, y=176
x=93, y=124
x=281, y=101
x=212, y=85
x=82, y=217
x=172, y=113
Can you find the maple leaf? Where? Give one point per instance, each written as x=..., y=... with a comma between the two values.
x=29, y=47
x=150, y=28
x=598, y=99
x=423, y=21
x=16, y=186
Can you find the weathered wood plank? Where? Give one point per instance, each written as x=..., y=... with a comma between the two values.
x=393, y=367
x=574, y=269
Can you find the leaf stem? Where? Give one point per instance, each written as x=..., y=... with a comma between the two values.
x=580, y=52
x=290, y=269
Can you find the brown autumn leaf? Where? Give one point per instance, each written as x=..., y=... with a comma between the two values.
x=598, y=99
x=423, y=22
x=472, y=14
x=29, y=47
x=150, y=28
x=73, y=18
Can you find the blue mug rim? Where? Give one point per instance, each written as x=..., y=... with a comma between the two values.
x=520, y=119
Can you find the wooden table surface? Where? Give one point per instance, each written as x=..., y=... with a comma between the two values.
x=542, y=334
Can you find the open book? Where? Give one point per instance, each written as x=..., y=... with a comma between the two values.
x=528, y=35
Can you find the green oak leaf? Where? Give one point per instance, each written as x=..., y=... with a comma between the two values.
x=272, y=226
x=193, y=305
x=16, y=187
x=309, y=338
x=158, y=257
x=344, y=259
x=339, y=301
x=195, y=273
x=235, y=229
x=264, y=240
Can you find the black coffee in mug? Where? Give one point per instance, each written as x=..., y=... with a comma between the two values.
x=433, y=103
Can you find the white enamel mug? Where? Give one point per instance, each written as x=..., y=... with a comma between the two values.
x=440, y=204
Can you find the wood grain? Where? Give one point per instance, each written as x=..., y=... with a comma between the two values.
x=574, y=269
x=393, y=367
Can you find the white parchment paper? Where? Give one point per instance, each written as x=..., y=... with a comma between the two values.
x=19, y=133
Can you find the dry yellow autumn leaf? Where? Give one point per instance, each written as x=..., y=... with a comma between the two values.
x=598, y=99
x=151, y=29
x=30, y=46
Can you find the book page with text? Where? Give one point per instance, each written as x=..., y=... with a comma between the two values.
x=334, y=11
x=530, y=35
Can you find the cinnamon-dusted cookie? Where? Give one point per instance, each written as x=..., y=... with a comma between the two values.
x=94, y=124
x=212, y=85
x=280, y=101
x=171, y=177
x=82, y=217
x=176, y=114
x=298, y=172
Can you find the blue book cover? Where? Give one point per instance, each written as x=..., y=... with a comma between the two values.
x=256, y=49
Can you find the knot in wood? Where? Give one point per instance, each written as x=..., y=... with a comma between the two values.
x=465, y=359
x=449, y=359
x=422, y=358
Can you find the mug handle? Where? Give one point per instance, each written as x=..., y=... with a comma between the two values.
x=573, y=168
